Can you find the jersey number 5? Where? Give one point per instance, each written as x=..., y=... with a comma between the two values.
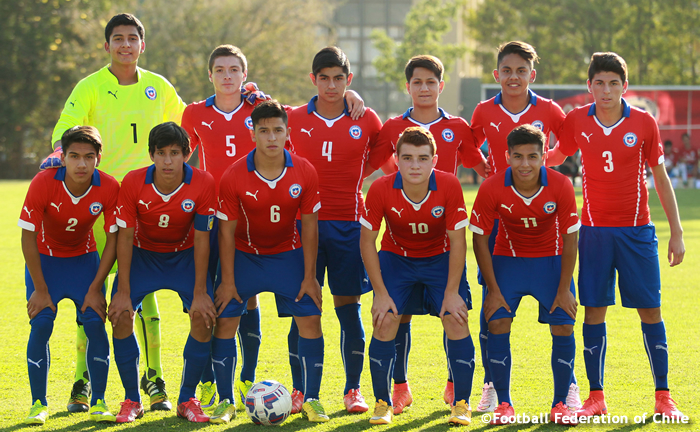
x=231, y=150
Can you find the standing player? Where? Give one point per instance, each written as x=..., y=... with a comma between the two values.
x=260, y=198
x=536, y=207
x=343, y=151
x=616, y=140
x=164, y=214
x=423, y=253
x=63, y=205
x=455, y=144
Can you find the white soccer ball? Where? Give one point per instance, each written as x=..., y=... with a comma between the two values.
x=268, y=403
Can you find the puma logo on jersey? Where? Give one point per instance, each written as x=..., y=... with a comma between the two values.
x=145, y=204
x=119, y=209
x=35, y=363
x=461, y=209
x=29, y=212
x=476, y=214
x=208, y=125
x=494, y=361
x=568, y=363
x=588, y=137
x=58, y=207
x=396, y=211
x=101, y=360
x=508, y=208
x=308, y=132
x=253, y=195
x=590, y=350
x=496, y=126
x=113, y=94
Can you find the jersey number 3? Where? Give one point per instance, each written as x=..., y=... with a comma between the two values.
x=608, y=160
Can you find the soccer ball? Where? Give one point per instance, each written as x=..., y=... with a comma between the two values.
x=268, y=403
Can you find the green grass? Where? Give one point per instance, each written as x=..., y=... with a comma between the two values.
x=629, y=386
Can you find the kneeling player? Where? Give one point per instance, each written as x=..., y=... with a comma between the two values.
x=173, y=206
x=539, y=225
x=64, y=204
x=423, y=249
x=260, y=250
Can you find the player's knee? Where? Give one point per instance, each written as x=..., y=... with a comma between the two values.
x=562, y=330
x=226, y=328
x=595, y=315
x=388, y=328
x=309, y=326
x=199, y=329
x=253, y=303
x=406, y=319
x=124, y=325
x=500, y=326
x=43, y=322
x=340, y=301
x=650, y=315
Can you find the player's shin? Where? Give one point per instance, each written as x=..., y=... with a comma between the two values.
x=657, y=351
x=563, y=356
x=97, y=353
x=224, y=358
x=81, y=372
x=250, y=337
x=311, y=359
x=38, y=355
x=461, y=360
x=294, y=362
x=382, y=356
x=595, y=344
x=148, y=328
x=403, y=349
x=126, y=356
x=195, y=359
x=352, y=343
x=483, y=342
x=500, y=362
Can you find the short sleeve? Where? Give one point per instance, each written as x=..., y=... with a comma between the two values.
x=32, y=213
x=380, y=149
x=456, y=211
x=566, y=209
x=477, y=127
x=126, y=204
x=374, y=209
x=205, y=208
x=188, y=125
x=567, y=137
x=228, y=202
x=110, y=207
x=653, y=146
x=174, y=106
x=310, y=196
x=484, y=211
x=468, y=151
x=556, y=117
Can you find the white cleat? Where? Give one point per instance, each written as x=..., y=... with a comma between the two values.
x=489, y=399
x=573, y=399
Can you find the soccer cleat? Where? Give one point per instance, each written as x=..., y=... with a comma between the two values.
x=573, y=399
x=503, y=414
x=156, y=392
x=562, y=415
x=449, y=394
x=207, y=394
x=383, y=413
x=594, y=405
x=489, y=399
x=224, y=412
x=401, y=398
x=79, y=397
x=461, y=414
x=240, y=390
x=192, y=411
x=297, y=401
x=129, y=411
x=38, y=414
x=666, y=406
x=100, y=413
x=313, y=410
x=355, y=402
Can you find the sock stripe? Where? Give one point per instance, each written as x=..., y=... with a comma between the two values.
x=651, y=362
x=388, y=377
x=600, y=361
x=342, y=351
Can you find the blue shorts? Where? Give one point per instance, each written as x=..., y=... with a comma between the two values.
x=68, y=278
x=537, y=277
x=633, y=252
x=153, y=271
x=213, y=251
x=419, y=283
x=339, y=253
x=492, y=245
x=280, y=274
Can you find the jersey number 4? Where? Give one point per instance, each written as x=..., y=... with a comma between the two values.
x=327, y=149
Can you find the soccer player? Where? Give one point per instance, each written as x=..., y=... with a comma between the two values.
x=164, y=214
x=492, y=121
x=344, y=151
x=536, y=207
x=63, y=205
x=455, y=144
x=616, y=140
x=259, y=241
x=422, y=256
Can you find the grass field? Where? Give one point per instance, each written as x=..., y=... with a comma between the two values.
x=629, y=385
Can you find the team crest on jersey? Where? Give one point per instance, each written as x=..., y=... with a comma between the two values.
x=550, y=207
x=448, y=135
x=538, y=124
x=151, y=93
x=437, y=211
x=630, y=139
x=355, y=132
x=295, y=190
x=187, y=205
x=95, y=208
x=249, y=123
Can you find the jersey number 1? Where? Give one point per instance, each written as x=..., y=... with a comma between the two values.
x=133, y=126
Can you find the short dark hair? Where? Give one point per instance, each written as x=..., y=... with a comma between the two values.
x=268, y=109
x=417, y=136
x=432, y=63
x=126, y=20
x=227, y=51
x=82, y=134
x=668, y=143
x=523, y=49
x=526, y=134
x=607, y=62
x=167, y=134
x=328, y=57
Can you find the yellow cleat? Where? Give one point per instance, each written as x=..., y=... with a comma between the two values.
x=313, y=410
x=461, y=414
x=383, y=413
x=224, y=413
x=38, y=414
x=100, y=413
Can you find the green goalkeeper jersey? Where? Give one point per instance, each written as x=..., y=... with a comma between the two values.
x=124, y=115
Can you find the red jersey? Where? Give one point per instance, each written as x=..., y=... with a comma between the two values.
x=416, y=229
x=65, y=221
x=338, y=148
x=492, y=122
x=223, y=138
x=265, y=209
x=689, y=156
x=612, y=164
x=453, y=138
x=166, y=223
x=530, y=227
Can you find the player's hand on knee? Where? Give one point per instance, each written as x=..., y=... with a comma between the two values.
x=53, y=160
x=38, y=302
x=493, y=302
x=202, y=304
x=310, y=287
x=567, y=302
x=455, y=305
x=223, y=296
x=382, y=306
x=120, y=303
x=96, y=301
x=676, y=250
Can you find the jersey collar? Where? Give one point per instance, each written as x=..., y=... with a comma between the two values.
x=61, y=176
x=250, y=160
x=432, y=184
x=114, y=78
x=509, y=177
x=498, y=100
x=311, y=106
x=152, y=169
x=212, y=99
x=442, y=112
x=625, y=110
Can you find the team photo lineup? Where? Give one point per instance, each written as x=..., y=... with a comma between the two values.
x=277, y=207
